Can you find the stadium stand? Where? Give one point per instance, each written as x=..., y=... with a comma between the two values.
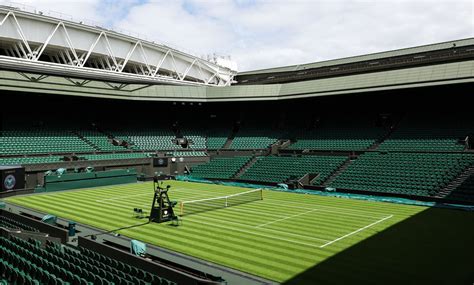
x=41, y=140
x=217, y=137
x=27, y=262
x=220, y=167
x=193, y=153
x=29, y=160
x=10, y=223
x=112, y=156
x=99, y=140
x=196, y=137
x=149, y=139
x=465, y=191
x=430, y=132
x=420, y=174
x=282, y=168
x=254, y=138
x=341, y=133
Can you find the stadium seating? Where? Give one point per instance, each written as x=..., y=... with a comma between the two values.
x=254, y=138
x=149, y=139
x=41, y=140
x=465, y=191
x=281, y=168
x=421, y=174
x=217, y=137
x=220, y=167
x=187, y=153
x=342, y=134
x=29, y=160
x=196, y=136
x=26, y=262
x=111, y=156
x=99, y=141
x=429, y=133
x=14, y=224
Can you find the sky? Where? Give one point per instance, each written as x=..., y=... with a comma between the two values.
x=268, y=33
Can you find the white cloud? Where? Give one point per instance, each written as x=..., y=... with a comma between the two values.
x=268, y=33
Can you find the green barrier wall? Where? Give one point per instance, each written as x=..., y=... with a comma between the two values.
x=85, y=180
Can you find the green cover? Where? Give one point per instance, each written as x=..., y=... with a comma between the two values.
x=87, y=180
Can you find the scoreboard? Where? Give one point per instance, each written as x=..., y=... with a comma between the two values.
x=13, y=177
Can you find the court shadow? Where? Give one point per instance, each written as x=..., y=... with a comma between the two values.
x=435, y=246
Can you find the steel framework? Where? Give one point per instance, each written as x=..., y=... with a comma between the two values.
x=34, y=42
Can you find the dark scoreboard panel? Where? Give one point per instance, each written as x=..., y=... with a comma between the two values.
x=160, y=162
x=13, y=177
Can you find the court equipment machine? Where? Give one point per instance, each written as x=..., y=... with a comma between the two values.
x=162, y=207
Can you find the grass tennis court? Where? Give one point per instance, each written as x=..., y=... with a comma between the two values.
x=283, y=236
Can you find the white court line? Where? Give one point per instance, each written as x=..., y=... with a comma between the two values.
x=255, y=233
x=249, y=232
x=285, y=218
x=253, y=228
x=324, y=210
x=356, y=231
x=143, y=194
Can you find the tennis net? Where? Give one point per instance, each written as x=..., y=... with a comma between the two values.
x=209, y=204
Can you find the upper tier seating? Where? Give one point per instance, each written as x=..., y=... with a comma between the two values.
x=281, y=168
x=197, y=137
x=404, y=173
x=343, y=134
x=220, y=167
x=429, y=133
x=254, y=138
x=100, y=140
x=149, y=139
x=26, y=262
x=217, y=137
x=41, y=140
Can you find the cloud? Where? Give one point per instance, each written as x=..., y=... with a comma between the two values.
x=269, y=33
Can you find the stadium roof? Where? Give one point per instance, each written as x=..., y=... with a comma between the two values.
x=372, y=56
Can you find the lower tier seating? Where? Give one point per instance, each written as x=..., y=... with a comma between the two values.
x=187, y=153
x=14, y=224
x=421, y=174
x=220, y=167
x=111, y=156
x=465, y=191
x=26, y=262
x=29, y=160
x=281, y=168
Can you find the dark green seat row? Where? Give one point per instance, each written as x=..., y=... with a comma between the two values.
x=465, y=191
x=14, y=224
x=281, y=168
x=56, y=266
x=422, y=174
x=220, y=167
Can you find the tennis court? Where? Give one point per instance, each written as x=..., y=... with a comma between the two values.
x=277, y=237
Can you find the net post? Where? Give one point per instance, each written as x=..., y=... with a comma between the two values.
x=261, y=194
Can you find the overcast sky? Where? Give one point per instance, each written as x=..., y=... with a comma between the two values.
x=262, y=34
